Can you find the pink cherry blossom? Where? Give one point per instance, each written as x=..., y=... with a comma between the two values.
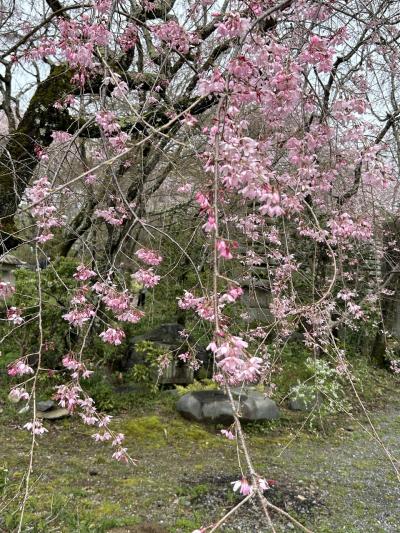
x=243, y=486
x=61, y=136
x=231, y=295
x=150, y=257
x=42, y=210
x=210, y=225
x=118, y=439
x=18, y=393
x=113, y=215
x=224, y=249
x=102, y=437
x=14, y=315
x=36, y=427
x=129, y=38
x=121, y=455
x=19, y=368
x=228, y=434
x=175, y=36
x=83, y=273
x=131, y=315
x=113, y=336
x=78, y=316
x=68, y=396
x=233, y=26
x=188, y=301
x=6, y=289
x=147, y=278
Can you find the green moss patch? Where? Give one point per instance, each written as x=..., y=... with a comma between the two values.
x=153, y=431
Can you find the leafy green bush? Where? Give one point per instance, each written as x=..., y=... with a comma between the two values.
x=56, y=282
x=323, y=389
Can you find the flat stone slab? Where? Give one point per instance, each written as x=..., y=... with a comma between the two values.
x=214, y=407
x=54, y=414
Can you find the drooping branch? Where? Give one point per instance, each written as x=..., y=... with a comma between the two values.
x=18, y=160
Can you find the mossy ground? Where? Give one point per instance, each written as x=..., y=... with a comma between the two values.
x=335, y=479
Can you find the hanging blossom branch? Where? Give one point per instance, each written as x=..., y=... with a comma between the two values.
x=277, y=127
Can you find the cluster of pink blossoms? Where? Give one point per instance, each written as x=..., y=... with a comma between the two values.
x=103, y=6
x=78, y=316
x=344, y=227
x=77, y=368
x=107, y=120
x=224, y=248
x=147, y=278
x=43, y=209
x=129, y=38
x=233, y=26
x=150, y=257
x=83, y=310
x=190, y=360
x=79, y=39
x=14, y=315
x=61, y=136
x=176, y=37
x=237, y=367
x=6, y=289
x=72, y=398
x=113, y=215
x=17, y=394
x=19, y=368
x=204, y=307
x=36, y=427
x=120, y=303
x=83, y=273
x=319, y=53
x=113, y=336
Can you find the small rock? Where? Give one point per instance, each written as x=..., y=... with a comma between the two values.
x=301, y=497
x=45, y=405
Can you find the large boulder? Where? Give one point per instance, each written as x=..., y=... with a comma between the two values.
x=214, y=406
